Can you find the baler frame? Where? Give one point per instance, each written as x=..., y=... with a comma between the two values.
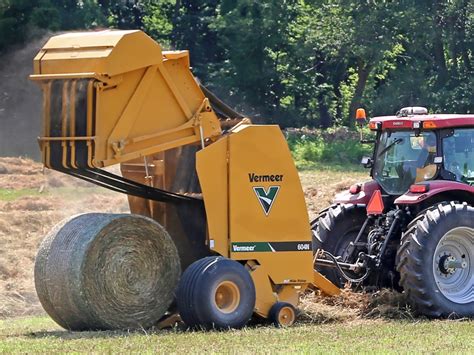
x=133, y=103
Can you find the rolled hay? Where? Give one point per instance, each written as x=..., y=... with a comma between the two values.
x=100, y=271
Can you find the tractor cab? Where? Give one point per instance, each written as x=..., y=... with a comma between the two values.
x=403, y=158
x=414, y=147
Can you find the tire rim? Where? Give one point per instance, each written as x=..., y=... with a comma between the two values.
x=453, y=265
x=286, y=316
x=227, y=297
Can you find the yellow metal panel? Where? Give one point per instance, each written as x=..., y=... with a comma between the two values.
x=86, y=39
x=80, y=53
x=110, y=103
x=105, y=52
x=135, y=50
x=70, y=61
x=291, y=294
x=176, y=55
x=326, y=286
x=265, y=297
x=211, y=166
x=134, y=107
x=276, y=233
x=191, y=93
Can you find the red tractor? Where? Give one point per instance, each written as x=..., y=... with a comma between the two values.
x=412, y=225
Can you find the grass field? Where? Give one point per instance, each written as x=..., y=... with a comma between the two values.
x=42, y=335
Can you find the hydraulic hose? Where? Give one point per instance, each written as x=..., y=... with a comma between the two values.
x=342, y=272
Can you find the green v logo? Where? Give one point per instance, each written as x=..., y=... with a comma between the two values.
x=266, y=197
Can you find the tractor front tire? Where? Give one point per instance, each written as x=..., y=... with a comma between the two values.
x=436, y=261
x=216, y=293
x=333, y=231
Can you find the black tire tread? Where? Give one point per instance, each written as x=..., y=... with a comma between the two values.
x=186, y=288
x=326, y=221
x=409, y=256
x=195, y=288
x=323, y=235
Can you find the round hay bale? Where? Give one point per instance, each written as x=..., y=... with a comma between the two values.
x=107, y=271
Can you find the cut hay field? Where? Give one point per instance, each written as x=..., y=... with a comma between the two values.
x=32, y=201
x=40, y=334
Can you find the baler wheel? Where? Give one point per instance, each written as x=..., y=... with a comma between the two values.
x=227, y=296
x=436, y=261
x=216, y=292
x=107, y=271
x=282, y=314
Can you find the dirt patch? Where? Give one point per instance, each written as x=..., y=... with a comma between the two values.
x=24, y=173
x=19, y=166
x=321, y=186
x=28, y=203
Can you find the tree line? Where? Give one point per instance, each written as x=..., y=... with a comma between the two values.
x=292, y=62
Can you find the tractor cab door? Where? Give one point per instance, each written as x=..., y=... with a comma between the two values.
x=458, y=155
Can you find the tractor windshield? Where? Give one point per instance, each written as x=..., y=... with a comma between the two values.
x=403, y=158
x=458, y=155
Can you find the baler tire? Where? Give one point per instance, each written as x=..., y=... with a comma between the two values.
x=100, y=271
x=198, y=290
x=333, y=231
x=279, y=319
x=416, y=260
x=186, y=290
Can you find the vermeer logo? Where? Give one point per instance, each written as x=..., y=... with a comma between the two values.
x=240, y=248
x=266, y=197
x=265, y=178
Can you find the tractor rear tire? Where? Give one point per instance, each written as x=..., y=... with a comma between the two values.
x=333, y=231
x=216, y=293
x=433, y=287
x=99, y=271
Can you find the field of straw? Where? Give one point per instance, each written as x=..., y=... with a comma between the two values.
x=32, y=201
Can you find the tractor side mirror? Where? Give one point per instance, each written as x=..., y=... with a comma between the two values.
x=367, y=162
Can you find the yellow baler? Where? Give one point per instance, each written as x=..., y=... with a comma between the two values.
x=230, y=202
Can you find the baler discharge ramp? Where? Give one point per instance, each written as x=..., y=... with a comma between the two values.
x=229, y=205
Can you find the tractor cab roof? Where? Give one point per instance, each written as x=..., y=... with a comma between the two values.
x=425, y=121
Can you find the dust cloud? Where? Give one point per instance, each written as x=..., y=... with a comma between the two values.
x=20, y=101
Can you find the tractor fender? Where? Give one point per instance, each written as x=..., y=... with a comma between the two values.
x=362, y=197
x=453, y=190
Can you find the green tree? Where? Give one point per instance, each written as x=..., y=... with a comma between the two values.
x=293, y=62
x=123, y=14
x=192, y=22
x=14, y=19
x=254, y=40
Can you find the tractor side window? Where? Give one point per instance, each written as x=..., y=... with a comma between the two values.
x=458, y=155
x=404, y=158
